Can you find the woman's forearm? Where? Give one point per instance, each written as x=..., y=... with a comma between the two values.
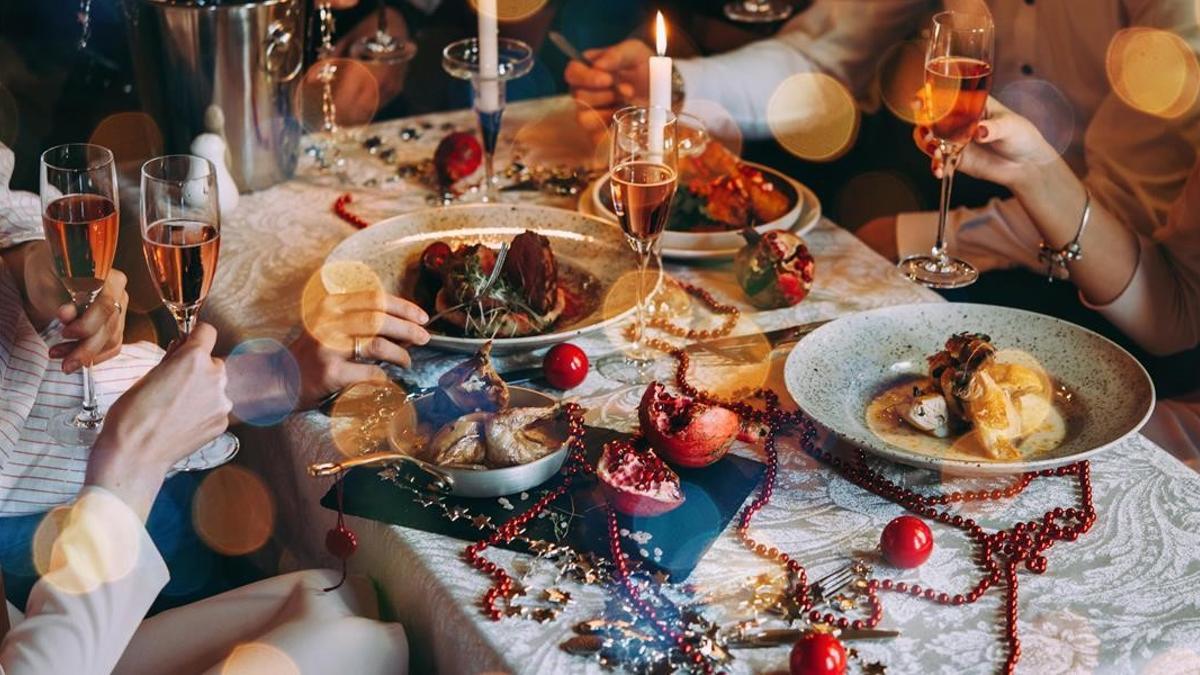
x=1054, y=198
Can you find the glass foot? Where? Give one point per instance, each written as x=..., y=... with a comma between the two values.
x=632, y=369
x=766, y=11
x=943, y=272
x=75, y=427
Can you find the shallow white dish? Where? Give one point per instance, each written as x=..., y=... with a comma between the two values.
x=392, y=247
x=495, y=482
x=802, y=217
x=216, y=452
x=835, y=372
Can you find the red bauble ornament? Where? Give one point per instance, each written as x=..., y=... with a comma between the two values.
x=818, y=654
x=341, y=542
x=565, y=366
x=456, y=157
x=906, y=542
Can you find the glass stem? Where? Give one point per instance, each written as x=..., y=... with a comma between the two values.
x=949, y=164
x=639, y=327
x=185, y=320
x=489, y=176
x=90, y=416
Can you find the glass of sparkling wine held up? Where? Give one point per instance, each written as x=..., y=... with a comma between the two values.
x=958, y=78
x=80, y=218
x=643, y=177
x=181, y=232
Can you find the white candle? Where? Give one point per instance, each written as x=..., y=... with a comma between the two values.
x=660, y=87
x=489, y=58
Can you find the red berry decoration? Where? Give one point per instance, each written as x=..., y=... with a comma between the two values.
x=456, y=157
x=774, y=269
x=341, y=542
x=906, y=542
x=565, y=366
x=818, y=654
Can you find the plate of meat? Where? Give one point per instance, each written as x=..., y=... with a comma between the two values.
x=556, y=279
x=969, y=389
x=719, y=195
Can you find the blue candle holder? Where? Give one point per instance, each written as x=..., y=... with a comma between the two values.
x=461, y=59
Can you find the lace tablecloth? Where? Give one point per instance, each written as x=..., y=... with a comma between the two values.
x=1124, y=598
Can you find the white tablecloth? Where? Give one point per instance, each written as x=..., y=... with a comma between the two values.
x=1124, y=598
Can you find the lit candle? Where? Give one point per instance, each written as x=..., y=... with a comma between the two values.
x=489, y=58
x=660, y=86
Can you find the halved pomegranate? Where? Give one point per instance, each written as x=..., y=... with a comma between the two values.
x=686, y=432
x=636, y=481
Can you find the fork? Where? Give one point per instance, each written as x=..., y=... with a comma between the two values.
x=501, y=255
x=831, y=584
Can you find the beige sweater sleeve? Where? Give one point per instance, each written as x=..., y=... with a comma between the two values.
x=101, y=575
x=1160, y=308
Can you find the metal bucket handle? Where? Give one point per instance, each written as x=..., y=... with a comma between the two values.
x=280, y=49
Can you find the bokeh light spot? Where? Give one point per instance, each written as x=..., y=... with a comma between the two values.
x=1046, y=106
x=565, y=132
x=133, y=137
x=96, y=540
x=254, y=658
x=232, y=511
x=514, y=10
x=1153, y=71
x=732, y=374
x=873, y=194
x=361, y=416
x=268, y=361
x=813, y=116
x=901, y=77
x=348, y=84
x=327, y=318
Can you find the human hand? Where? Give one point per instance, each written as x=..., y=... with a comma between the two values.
x=384, y=326
x=1008, y=149
x=95, y=336
x=618, y=74
x=176, y=408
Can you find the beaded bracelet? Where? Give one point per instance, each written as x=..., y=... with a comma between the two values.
x=1057, y=258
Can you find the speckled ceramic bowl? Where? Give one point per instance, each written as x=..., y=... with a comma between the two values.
x=836, y=371
x=584, y=245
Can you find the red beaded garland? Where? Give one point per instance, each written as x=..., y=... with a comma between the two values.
x=339, y=208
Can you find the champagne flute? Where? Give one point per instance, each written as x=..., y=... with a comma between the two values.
x=80, y=218
x=643, y=176
x=958, y=78
x=181, y=232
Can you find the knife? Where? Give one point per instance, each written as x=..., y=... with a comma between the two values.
x=727, y=347
x=776, y=637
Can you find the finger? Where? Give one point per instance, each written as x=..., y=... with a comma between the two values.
x=579, y=74
x=97, y=316
x=336, y=304
x=406, y=309
x=66, y=313
x=403, y=331
x=598, y=98
x=381, y=349
x=352, y=373
x=203, y=337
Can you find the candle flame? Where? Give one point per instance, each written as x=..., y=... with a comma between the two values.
x=660, y=34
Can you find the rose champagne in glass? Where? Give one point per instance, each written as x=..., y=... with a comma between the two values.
x=643, y=176
x=958, y=78
x=80, y=219
x=181, y=232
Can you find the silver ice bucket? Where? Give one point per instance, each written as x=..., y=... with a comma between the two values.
x=242, y=58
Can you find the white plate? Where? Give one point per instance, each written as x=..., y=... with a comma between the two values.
x=838, y=369
x=802, y=217
x=391, y=248
x=219, y=451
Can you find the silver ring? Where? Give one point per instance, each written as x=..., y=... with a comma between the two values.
x=118, y=306
x=358, y=350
